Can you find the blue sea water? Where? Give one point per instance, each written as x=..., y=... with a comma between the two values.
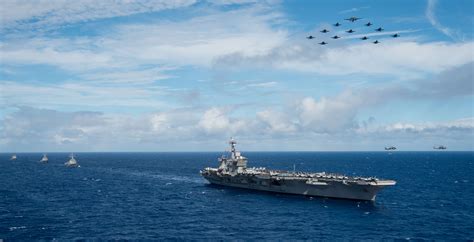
x=162, y=196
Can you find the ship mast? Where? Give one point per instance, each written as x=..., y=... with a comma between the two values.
x=232, y=143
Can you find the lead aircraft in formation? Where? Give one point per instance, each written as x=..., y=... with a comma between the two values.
x=352, y=19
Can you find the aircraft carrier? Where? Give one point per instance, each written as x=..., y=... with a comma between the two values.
x=233, y=172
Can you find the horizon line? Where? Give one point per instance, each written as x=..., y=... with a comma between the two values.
x=249, y=151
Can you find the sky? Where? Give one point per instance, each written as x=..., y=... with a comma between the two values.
x=186, y=75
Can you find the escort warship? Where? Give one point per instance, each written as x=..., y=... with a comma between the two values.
x=233, y=172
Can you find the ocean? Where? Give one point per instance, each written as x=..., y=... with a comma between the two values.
x=162, y=196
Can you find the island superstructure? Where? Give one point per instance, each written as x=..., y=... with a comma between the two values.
x=233, y=172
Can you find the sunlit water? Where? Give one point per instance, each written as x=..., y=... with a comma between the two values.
x=162, y=196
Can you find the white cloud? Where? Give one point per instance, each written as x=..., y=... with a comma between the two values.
x=216, y=121
x=124, y=52
x=199, y=40
x=51, y=13
x=213, y=120
x=465, y=123
x=262, y=84
x=393, y=57
x=49, y=130
x=229, y=2
x=275, y=122
x=328, y=115
x=73, y=95
x=352, y=10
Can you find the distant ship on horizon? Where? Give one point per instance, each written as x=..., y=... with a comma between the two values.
x=44, y=160
x=72, y=163
x=13, y=157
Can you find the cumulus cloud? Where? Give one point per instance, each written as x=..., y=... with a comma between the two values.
x=30, y=126
x=50, y=130
x=216, y=121
x=276, y=122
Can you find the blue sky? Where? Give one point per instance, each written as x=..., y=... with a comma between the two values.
x=186, y=75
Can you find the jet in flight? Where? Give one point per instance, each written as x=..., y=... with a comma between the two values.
x=364, y=38
x=368, y=24
x=324, y=31
x=335, y=37
x=379, y=29
x=376, y=42
x=350, y=31
x=337, y=24
x=310, y=37
x=395, y=35
x=391, y=148
x=352, y=19
x=323, y=43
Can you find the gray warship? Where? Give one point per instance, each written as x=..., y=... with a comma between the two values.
x=233, y=172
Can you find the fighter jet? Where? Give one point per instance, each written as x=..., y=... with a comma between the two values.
x=323, y=43
x=395, y=35
x=376, y=42
x=337, y=24
x=391, y=148
x=352, y=19
x=364, y=38
x=350, y=31
x=440, y=147
x=310, y=37
x=368, y=24
x=324, y=31
x=379, y=29
x=335, y=37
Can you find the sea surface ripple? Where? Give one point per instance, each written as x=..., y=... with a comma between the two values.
x=162, y=196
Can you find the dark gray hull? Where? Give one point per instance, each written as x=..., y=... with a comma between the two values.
x=299, y=186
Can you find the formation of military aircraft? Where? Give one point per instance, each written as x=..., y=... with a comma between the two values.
x=350, y=31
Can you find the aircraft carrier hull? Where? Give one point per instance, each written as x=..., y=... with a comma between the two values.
x=332, y=189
